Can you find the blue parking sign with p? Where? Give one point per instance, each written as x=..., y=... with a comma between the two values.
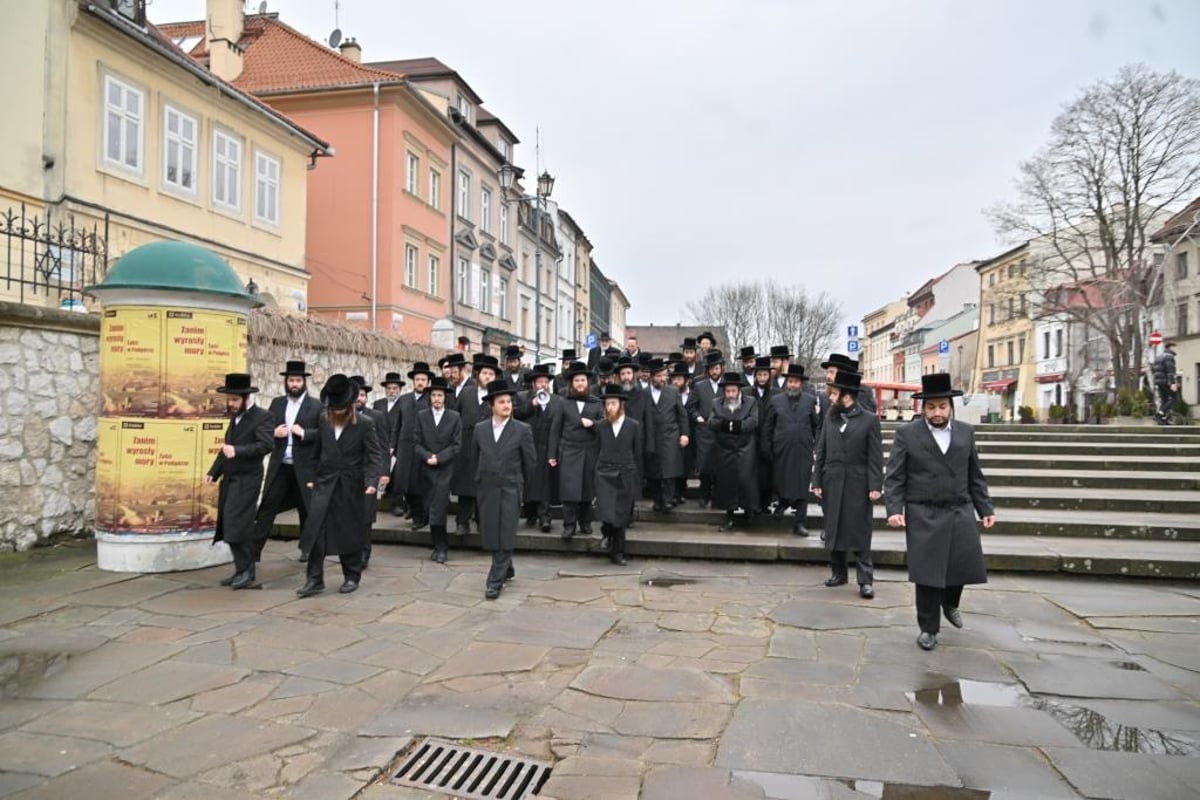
x=852, y=346
x=592, y=340
x=943, y=347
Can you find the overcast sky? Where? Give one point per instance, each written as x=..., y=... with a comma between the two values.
x=848, y=146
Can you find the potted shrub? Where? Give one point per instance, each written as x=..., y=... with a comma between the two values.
x=1026, y=414
x=1058, y=414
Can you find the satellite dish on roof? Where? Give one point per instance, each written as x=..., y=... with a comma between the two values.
x=335, y=38
x=262, y=7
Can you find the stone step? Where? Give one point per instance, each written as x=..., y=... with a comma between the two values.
x=1102, y=461
x=1095, y=479
x=1140, y=431
x=1154, y=450
x=1030, y=495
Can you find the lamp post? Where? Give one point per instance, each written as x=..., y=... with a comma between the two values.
x=545, y=186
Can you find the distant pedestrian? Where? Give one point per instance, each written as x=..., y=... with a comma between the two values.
x=618, y=468
x=934, y=489
x=1166, y=381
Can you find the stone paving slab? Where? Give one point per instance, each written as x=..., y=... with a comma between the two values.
x=211, y=742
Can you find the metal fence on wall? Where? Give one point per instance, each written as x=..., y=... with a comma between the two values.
x=48, y=261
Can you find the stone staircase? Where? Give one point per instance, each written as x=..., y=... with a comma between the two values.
x=1097, y=500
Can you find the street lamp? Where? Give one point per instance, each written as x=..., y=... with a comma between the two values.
x=507, y=174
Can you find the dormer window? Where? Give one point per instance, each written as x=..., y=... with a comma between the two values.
x=505, y=149
x=464, y=107
x=132, y=10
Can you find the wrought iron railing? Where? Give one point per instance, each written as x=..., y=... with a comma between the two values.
x=49, y=261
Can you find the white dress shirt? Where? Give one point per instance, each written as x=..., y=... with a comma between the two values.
x=941, y=436
x=616, y=426
x=289, y=417
x=655, y=393
x=498, y=429
x=437, y=416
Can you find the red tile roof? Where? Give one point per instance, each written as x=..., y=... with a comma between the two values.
x=279, y=59
x=1177, y=224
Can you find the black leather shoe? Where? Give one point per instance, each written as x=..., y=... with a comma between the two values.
x=727, y=525
x=492, y=593
x=310, y=588
x=952, y=616
x=546, y=525
x=303, y=557
x=531, y=522
x=512, y=573
x=420, y=524
x=927, y=641
x=605, y=542
x=439, y=556
x=780, y=511
x=229, y=581
x=837, y=580
x=348, y=587
x=243, y=579
x=586, y=530
x=866, y=591
x=568, y=532
x=397, y=510
x=433, y=555
x=618, y=559
x=799, y=529
x=463, y=528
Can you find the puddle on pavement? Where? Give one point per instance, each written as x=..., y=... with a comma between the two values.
x=19, y=670
x=1092, y=728
x=808, y=787
x=1132, y=666
x=667, y=581
x=1048, y=640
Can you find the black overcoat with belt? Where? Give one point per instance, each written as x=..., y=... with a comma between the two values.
x=472, y=410
x=734, y=458
x=575, y=448
x=703, y=396
x=789, y=437
x=542, y=485
x=406, y=475
x=303, y=462
x=617, y=471
x=443, y=440
x=939, y=496
x=501, y=468
x=347, y=466
x=241, y=477
x=670, y=422
x=848, y=466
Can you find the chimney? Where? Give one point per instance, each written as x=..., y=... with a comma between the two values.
x=222, y=35
x=352, y=50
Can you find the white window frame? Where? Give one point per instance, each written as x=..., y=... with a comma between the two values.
x=230, y=168
x=411, y=257
x=485, y=290
x=433, y=275
x=125, y=117
x=265, y=187
x=502, y=291
x=485, y=210
x=181, y=144
x=464, y=194
x=414, y=174
x=435, y=188
x=462, y=277
x=503, y=224
x=464, y=106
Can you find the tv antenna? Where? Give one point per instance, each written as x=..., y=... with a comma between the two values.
x=262, y=7
x=335, y=38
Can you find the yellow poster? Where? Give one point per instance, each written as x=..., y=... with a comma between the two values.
x=201, y=347
x=212, y=436
x=158, y=476
x=108, y=450
x=131, y=352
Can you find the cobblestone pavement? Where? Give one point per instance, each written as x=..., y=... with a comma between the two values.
x=665, y=679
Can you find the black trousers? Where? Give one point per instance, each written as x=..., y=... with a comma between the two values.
x=931, y=600
x=315, y=567
x=801, y=507
x=863, y=566
x=1166, y=399
x=580, y=513
x=536, y=511
x=680, y=488
x=245, y=554
x=283, y=494
x=466, y=509
x=501, y=564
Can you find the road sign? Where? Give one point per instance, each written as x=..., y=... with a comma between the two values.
x=852, y=331
x=592, y=340
x=852, y=346
x=1155, y=338
x=943, y=347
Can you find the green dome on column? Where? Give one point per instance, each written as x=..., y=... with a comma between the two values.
x=175, y=266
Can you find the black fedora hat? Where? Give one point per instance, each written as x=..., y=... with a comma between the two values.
x=420, y=368
x=237, y=383
x=339, y=391
x=936, y=385
x=539, y=371
x=780, y=351
x=674, y=357
x=713, y=357
x=481, y=361
x=296, y=368
x=612, y=390
x=680, y=369
x=512, y=351
x=438, y=384
x=575, y=368
x=707, y=335
x=656, y=365
x=605, y=367
x=643, y=359
x=731, y=379
x=847, y=380
x=625, y=361
x=497, y=388
x=795, y=371
x=392, y=377
x=569, y=354
x=762, y=364
x=839, y=361
x=454, y=360
x=689, y=343
x=363, y=383
x=747, y=353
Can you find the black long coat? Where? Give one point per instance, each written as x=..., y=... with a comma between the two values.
x=303, y=462
x=789, y=437
x=734, y=459
x=848, y=466
x=501, y=468
x=241, y=476
x=542, y=486
x=443, y=440
x=689, y=452
x=617, y=470
x=640, y=406
x=347, y=466
x=406, y=476
x=939, y=496
x=575, y=448
x=703, y=396
x=670, y=422
x=392, y=431
x=382, y=431
x=472, y=410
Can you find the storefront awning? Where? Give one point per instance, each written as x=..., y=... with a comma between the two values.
x=998, y=386
x=1053, y=377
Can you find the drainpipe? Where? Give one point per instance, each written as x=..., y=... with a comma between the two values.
x=375, y=210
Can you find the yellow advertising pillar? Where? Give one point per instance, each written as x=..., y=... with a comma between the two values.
x=173, y=324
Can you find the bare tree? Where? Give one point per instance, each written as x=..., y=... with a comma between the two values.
x=1119, y=158
x=738, y=306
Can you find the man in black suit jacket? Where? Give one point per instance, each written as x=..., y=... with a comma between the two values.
x=472, y=407
x=382, y=433
x=439, y=440
x=617, y=466
x=389, y=407
x=239, y=468
x=597, y=353
x=406, y=474
x=295, y=416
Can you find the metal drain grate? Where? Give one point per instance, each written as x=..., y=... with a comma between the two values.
x=448, y=768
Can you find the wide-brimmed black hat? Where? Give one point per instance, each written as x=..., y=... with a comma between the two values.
x=613, y=352
x=625, y=361
x=679, y=368
x=362, y=383
x=569, y=354
x=237, y=383
x=296, y=368
x=539, y=371
x=656, y=365
x=674, y=358
x=481, y=361
x=392, y=377
x=339, y=391
x=512, y=351
x=612, y=390
x=731, y=379
x=438, y=384
x=605, y=367
x=936, y=385
x=762, y=363
x=454, y=360
x=420, y=368
x=708, y=335
x=689, y=343
x=746, y=353
x=780, y=351
x=847, y=380
x=840, y=361
x=497, y=388
x=795, y=371
x=643, y=359
x=576, y=368
x=713, y=357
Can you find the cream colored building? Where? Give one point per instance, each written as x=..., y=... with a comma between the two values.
x=616, y=314
x=875, y=356
x=1005, y=363
x=118, y=129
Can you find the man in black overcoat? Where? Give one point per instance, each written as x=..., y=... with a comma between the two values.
x=539, y=409
x=779, y=360
x=389, y=407
x=934, y=489
x=439, y=441
x=694, y=364
x=671, y=429
x=637, y=406
x=504, y=459
x=747, y=357
x=472, y=407
x=350, y=465
x=382, y=430
x=705, y=392
x=406, y=474
x=561, y=381
x=596, y=353
x=847, y=479
x=789, y=439
x=761, y=388
x=295, y=415
x=514, y=372
x=239, y=468
x=836, y=361
x=617, y=465
x=681, y=381
x=734, y=424
x=572, y=450
x=457, y=374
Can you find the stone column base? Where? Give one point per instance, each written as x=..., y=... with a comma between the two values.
x=165, y=552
